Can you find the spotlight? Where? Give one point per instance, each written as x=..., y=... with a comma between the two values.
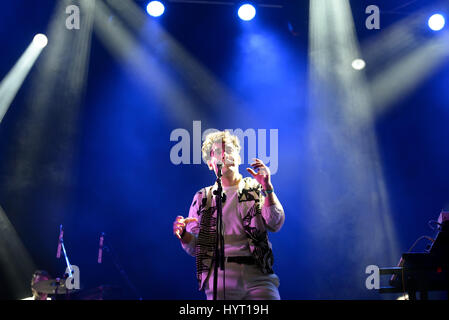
x=436, y=22
x=358, y=64
x=40, y=40
x=247, y=12
x=155, y=8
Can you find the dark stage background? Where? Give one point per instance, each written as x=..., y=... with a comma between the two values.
x=103, y=163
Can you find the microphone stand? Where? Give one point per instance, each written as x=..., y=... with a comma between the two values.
x=69, y=266
x=219, y=243
x=61, y=242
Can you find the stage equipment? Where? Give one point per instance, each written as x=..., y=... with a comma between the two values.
x=219, y=258
x=52, y=286
x=423, y=271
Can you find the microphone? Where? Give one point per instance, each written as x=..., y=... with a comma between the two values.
x=219, y=168
x=100, y=248
x=61, y=234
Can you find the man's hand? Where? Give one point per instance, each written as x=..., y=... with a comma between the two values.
x=180, y=224
x=263, y=175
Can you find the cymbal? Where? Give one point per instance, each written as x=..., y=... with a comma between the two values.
x=52, y=286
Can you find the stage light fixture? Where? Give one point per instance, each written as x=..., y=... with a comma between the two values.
x=247, y=12
x=155, y=8
x=40, y=40
x=358, y=64
x=436, y=22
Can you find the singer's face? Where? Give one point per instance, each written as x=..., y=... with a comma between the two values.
x=225, y=153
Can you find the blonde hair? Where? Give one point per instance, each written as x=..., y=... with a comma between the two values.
x=218, y=136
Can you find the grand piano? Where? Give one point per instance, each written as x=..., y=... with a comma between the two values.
x=422, y=271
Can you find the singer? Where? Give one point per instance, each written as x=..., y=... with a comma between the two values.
x=250, y=209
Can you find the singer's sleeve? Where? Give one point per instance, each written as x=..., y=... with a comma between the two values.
x=274, y=217
x=194, y=226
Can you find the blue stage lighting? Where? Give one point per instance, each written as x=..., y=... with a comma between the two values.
x=247, y=12
x=436, y=22
x=155, y=8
